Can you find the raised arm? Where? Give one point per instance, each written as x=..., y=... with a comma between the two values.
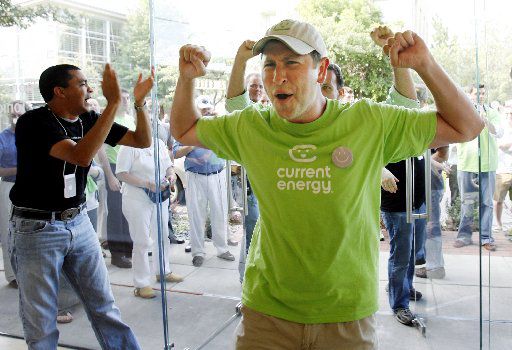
x=141, y=137
x=236, y=85
x=81, y=153
x=457, y=119
x=184, y=115
x=402, y=77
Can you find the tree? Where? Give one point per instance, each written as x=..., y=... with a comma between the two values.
x=14, y=15
x=345, y=26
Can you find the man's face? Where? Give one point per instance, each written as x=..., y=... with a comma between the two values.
x=474, y=95
x=18, y=109
x=94, y=105
x=329, y=87
x=206, y=111
x=292, y=82
x=348, y=95
x=255, y=88
x=125, y=101
x=77, y=93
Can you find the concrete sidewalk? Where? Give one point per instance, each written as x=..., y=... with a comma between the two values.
x=207, y=298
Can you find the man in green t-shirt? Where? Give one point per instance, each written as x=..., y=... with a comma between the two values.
x=315, y=166
x=472, y=160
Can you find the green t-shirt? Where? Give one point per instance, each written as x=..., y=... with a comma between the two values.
x=314, y=253
x=467, y=152
x=125, y=120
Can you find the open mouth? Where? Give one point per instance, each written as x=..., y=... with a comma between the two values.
x=282, y=97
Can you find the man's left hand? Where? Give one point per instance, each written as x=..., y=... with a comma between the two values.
x=143, y=87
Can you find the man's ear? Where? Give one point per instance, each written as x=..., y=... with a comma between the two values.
x=58, y=92
x=322, y=70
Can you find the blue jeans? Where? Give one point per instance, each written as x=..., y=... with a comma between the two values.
x=39, y=251
x=250, y=221
x=469, y=197
x=402, y=255
x=434, y=243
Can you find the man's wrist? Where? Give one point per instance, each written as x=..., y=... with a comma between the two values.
x=139, y=106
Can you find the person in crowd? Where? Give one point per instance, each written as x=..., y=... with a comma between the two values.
x=136, y=170
x=49, y=229
x=240, y=94
x=8, y=170
x=348, y=95
x=434, y=265
x=504, y=170
x=470, y=168
x=206, y=187
x=317, y=180
x=118, y=235
x=404, y=238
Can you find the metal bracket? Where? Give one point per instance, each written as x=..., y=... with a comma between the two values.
x=419, y=323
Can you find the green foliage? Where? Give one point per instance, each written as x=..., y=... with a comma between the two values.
x=459, y=60
x=15, y=15
x=134, y=56
x=345, y=26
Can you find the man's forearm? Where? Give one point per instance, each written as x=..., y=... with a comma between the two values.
x=88, y=146
x=8, y=171
x=142, y=133
x=183, y=151
x=452, y=104
x=236, y=79
x=183, y=113
x=403, y=82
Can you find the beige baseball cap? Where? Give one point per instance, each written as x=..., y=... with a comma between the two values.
x=301, y=37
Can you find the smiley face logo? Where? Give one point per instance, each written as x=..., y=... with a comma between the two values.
x=303, y=153
x=342, y=157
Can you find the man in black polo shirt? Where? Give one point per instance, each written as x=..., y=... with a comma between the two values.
x=50, y=230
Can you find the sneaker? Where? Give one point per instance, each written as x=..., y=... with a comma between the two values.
x=197, y=260
x=227, y=256
x=420, y=261
x=404, y=316
x=64, y=317
x=144, y=292
x=414, y=295
x=459, y=244
x=381, y=236
x=421, y=272
x=171, y=277
x=489, y=246
x=438, y=273
x=121, y=261
x=232, y=242
x=13, y=284
x=188, y=249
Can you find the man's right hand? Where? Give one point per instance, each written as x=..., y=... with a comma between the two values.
x=110, y=85
x=193, y=61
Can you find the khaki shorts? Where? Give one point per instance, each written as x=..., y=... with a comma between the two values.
x=258, y=331
x=503, y=186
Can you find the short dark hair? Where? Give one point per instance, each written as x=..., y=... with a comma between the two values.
x=337, y=72
x=315, y=55
x=55, y=76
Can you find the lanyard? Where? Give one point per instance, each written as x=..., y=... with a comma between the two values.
x=66, y=133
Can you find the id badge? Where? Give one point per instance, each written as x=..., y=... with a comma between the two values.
x=69, y=186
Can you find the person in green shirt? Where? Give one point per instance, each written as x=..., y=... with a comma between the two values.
x=469, y=165
x=315, y=165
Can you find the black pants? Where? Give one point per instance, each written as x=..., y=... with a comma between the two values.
x=118, y=235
